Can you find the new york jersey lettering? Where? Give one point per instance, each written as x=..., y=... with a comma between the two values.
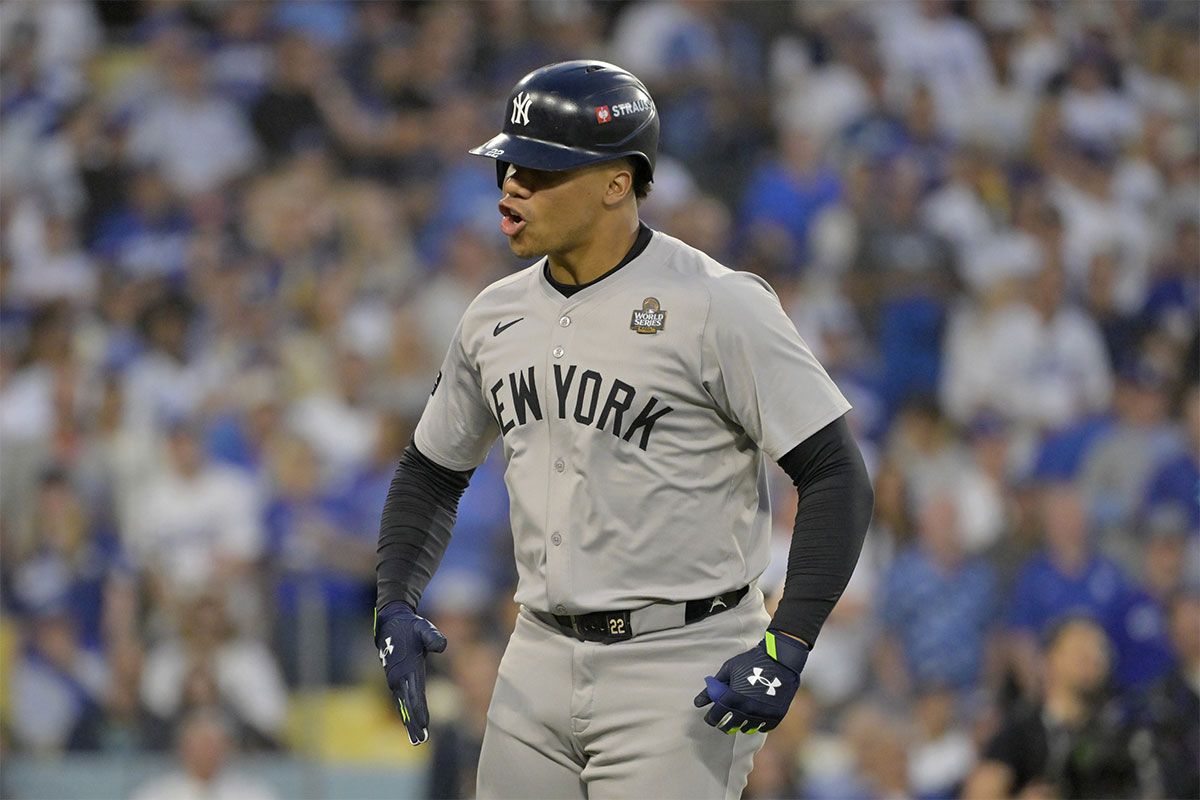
x=584, y=397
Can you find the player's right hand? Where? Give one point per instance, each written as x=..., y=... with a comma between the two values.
x=403, y=638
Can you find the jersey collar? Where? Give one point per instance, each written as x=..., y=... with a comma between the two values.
x=568, y=289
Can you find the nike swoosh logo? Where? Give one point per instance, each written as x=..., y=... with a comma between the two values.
x=499, y=329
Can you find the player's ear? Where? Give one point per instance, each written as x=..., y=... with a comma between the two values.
x=620, y=183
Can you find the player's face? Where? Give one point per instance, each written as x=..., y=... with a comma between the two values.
x=551, y=212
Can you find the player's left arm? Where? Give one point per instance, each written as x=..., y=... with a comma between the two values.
x=752, y=691
x=761, y=373
x=834, y=509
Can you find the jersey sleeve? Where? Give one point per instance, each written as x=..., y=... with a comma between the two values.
x=457, y=428
x=759, y=371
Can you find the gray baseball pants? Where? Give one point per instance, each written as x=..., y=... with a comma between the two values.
x=572, y=719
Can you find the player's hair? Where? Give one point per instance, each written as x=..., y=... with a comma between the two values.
x=641, y=180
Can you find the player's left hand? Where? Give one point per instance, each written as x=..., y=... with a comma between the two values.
x=752, y=691
x=403, y=638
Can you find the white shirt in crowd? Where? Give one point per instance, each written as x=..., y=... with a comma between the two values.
x=159, y=388
x=342, y=435
x=1102, y=116
x=946, y=54
x=186, y=525
x=198, y=144
x=1043, y=373
x=226, y=786
x=247, y=676
x=1094, y=225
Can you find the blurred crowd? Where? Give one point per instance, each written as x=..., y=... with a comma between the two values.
x=237, y=237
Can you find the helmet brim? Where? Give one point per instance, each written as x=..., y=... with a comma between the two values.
x=538, y=154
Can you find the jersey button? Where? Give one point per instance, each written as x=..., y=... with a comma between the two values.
x=556, y=539
x=564, y=321
x=558, y=352
x=560, y=465
x=560, y=609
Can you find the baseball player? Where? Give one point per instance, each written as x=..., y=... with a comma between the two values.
x=637, y=387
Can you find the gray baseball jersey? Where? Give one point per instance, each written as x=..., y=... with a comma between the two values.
x=635, y=416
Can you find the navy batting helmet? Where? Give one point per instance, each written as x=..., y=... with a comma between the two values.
x=573, y=113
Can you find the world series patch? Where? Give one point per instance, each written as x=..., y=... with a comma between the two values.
x=650, y=318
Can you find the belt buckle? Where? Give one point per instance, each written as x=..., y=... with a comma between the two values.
x=617, y=627
x=601, y=626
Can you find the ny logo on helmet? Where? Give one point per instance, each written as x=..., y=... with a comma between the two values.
x=520, y=113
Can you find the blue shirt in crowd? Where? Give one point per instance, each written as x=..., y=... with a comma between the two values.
x=1177, y=483
x=943, y=618
x=1140, y=639
x=777, y=196
x=1043, y=594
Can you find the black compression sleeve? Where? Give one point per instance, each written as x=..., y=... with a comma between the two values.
x=418, y=517
x=836, y=500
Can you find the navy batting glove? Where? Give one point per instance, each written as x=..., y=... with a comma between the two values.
x=752, y=691
x=403, y=638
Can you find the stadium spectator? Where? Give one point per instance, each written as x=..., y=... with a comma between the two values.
x=1093, y=110
x=789, y=192
x=204, y=748
x=1119, y=465
x=1173, y=480
x=286, y=113
x=323, y=565
x=1004, y=113
x=58, y=686
x=1140, y=632
x=241, y=56
x=196, y=525
x=209, y=664
x=904, y=274
x=1172, y=706
x=340, y=424
x=147, y=236
x=128, y=727
x=926, y=44
x=198, y=139
x=59, y=270
x=1068, y=744
x=1067, y=576
x=1054, y=370
x=960, y=210
x=942, y=753
x=68, y=558
x=241, y=436
x=937, y=608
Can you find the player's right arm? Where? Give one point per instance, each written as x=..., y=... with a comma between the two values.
x=452, y=438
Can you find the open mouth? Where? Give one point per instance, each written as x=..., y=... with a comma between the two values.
x=511, y=223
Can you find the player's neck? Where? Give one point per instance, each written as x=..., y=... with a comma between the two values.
x=602, y=251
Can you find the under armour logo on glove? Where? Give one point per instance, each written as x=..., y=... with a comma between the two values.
x=771, y=683
x=385, y=652
x=752, y=691
x=403, y=639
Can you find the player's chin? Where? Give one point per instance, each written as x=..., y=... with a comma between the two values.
x=522, y=247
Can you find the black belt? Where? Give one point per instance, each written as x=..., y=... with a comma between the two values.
x=617, y=626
